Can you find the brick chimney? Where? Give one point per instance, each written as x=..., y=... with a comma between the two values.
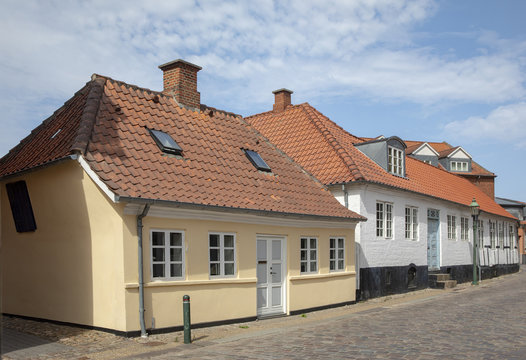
x=281, y=99
x=180, y=80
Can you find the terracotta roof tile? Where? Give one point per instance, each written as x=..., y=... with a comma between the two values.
x=108, y=122
x=330, y=155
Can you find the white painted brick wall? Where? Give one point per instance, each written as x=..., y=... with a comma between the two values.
x=376, y=252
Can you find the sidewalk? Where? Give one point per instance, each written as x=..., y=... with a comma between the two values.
x=25, y=339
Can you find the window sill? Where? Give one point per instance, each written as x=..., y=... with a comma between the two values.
x=192, y=282
x=322, y=276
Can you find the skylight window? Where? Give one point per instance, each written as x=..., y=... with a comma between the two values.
x=257, y=161
x=165, y=142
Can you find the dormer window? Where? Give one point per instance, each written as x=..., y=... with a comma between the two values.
x=459, y=166
x=257, y=161
x=389, y=153
x=165, y=142
x=395, y=161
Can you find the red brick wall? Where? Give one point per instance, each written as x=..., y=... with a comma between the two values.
x=281, y=100
x=180, y=79
x=486, y=184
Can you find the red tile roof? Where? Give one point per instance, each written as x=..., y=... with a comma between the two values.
x=328, y=152
x=107, y=122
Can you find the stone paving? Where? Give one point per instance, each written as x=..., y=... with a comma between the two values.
x=484, y=322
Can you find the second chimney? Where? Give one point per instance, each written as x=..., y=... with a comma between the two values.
x=180, y=79
x=281, y=99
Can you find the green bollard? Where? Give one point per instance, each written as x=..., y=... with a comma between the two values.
x=186, y=320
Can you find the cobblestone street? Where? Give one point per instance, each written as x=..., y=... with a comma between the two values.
x=484, y=322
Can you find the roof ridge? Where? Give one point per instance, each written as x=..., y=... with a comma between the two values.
x=89, y=114
x=335, y=144
x=272, y=112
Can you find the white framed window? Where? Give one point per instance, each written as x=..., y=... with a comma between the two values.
x=384, y=220
x=411, y=223
x=222, y=254
x=492, y=231
x=480, y=230
x=451, y=227
x=395, y=161
x=337, y=254
x=459, y=166
x=501, y=234
x=167, y=255
x=309, y=255
x=464, y=228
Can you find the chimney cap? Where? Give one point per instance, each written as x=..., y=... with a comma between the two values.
x=283, y=90
x=174, y=63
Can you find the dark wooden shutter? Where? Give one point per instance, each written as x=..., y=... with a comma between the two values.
x=21, y=206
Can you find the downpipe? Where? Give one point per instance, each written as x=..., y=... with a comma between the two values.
x=141, y=278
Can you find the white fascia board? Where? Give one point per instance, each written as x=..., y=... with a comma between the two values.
x=460, y=149
x=225, y=216
x=425, y=145
x=96, y=179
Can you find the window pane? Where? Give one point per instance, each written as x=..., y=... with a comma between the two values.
x=313, y=243
x=303, y=267
x=157, y=238
x=229, y=255
x=340, y=254
x=176, y=270
x=229, y=268
x=214, y=269
x=332, y=265
x=176, y=254
x=158, y=254
x=332, y=254
x=313, y=266
x=303, y=254
x=214, y=240
x=340, y=265
x=214, y=254
x=313, y=255
x=158, y=270
x=229, y=241
x=176, y=239
x=303, y=243
x=340, y=243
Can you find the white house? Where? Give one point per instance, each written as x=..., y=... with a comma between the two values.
x=418, y=213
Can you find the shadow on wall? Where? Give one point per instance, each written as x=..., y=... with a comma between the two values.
x=47, y=273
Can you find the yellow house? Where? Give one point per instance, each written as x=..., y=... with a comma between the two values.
x=126, y=199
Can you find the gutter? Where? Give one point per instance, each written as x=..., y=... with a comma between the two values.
x=144, y=334
x=269, y=213
x=368, y=182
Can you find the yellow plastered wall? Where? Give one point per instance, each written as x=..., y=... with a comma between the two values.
x=229, y=298
x=71, y=268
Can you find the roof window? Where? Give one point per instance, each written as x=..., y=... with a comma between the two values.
x=257, y=161
x=165, y=142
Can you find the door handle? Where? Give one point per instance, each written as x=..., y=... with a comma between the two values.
x=272, y=273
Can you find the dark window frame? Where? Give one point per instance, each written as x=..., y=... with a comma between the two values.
x=21, y=208
x=173, y=148
x=257, y=160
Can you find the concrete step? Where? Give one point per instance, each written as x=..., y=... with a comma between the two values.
x=447, y=284
x=439, y=277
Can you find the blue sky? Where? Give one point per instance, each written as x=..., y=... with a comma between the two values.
x=450, y=71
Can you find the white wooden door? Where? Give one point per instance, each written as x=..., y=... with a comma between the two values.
x=271, y=270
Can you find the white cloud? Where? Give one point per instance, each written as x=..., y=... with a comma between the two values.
x=505, y=123
x=246, y=49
